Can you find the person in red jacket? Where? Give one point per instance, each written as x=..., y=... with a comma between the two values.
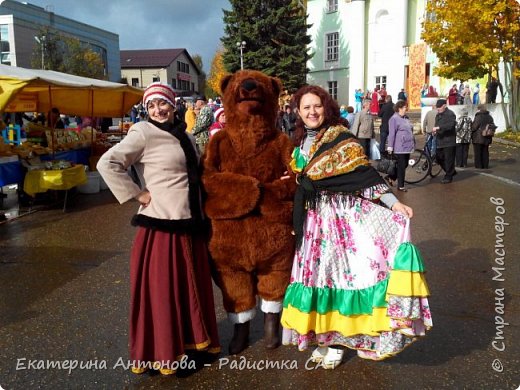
x=453, y=95
x=374, y=105
x=220, y=122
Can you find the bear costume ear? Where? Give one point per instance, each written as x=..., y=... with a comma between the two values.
x=224, y=82
x=277, y=85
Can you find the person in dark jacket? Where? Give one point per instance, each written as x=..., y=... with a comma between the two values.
x=385, y=113
x=402, y=95
x=444, y=128
x=54, y=119
x=481, y=143
x=289, y=121
x=492, y=90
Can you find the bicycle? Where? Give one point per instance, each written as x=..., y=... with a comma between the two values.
x=421, y=164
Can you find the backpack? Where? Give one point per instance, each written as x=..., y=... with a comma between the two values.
x=488, y=130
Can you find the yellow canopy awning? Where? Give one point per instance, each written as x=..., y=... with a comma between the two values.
x=23, y=90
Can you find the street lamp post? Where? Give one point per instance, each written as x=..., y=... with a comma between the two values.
x=241, y=46
x=41, y=42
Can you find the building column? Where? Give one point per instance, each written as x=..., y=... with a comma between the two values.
x=404, y=32
x=357, y=22
x=404, y=37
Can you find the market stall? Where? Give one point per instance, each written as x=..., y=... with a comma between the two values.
x=34, y=90
x=40, y=90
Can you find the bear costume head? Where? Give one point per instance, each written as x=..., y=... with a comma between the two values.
x=251, y=101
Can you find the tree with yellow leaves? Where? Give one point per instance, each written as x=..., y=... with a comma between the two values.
x=217, y=72
x=471, y=38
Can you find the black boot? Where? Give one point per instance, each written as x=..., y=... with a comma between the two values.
x=271, y=330
x=240, y=338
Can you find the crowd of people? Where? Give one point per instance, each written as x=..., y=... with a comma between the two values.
x=452, y=137
x=467, y=95
x=448, y=137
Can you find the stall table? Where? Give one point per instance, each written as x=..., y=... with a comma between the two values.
x=61, y=179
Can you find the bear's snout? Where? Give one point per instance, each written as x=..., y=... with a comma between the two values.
x=249, y=85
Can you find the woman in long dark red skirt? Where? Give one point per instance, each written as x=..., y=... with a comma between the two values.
x=171, y=308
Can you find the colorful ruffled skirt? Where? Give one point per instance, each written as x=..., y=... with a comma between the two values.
x=356, y=281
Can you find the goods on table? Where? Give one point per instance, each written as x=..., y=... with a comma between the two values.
x=57, y=164
x=64, y=139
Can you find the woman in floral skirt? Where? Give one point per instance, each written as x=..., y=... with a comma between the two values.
x=356, y=281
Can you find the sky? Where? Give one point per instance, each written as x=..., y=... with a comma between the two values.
x=195, y=25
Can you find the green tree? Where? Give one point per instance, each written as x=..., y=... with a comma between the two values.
x=197, y=58
x=275, y=36
x=81, y=60
x=67, y=55
x=471, y=38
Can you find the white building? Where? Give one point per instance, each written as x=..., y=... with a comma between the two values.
x=173, y=66
x=365, y=44
x=20, y=23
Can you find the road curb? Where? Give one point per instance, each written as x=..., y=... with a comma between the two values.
x=506, y=142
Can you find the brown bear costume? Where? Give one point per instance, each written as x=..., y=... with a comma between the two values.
x=250, y=205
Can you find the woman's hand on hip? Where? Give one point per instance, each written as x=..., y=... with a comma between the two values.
x=144, y=198
x=399, y=207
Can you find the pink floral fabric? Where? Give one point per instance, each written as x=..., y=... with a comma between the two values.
x=349, y=244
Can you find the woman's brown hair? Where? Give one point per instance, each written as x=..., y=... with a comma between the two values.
x=399, y=104
x=332, y=116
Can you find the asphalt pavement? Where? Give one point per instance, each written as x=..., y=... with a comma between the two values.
x=64, y=288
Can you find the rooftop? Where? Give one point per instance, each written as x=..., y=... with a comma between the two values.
x=149, y=58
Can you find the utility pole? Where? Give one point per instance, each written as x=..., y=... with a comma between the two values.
x=41, y=42
x=241, y=45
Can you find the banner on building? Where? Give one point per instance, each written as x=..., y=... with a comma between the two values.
x=417, y=74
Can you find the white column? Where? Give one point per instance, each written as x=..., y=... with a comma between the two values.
x=402, y=16
x=357, y=24
x=404, y=8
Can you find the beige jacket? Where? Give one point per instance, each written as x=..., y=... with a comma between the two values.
x=363, y=127
x=161, y=165
x=429, y=121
